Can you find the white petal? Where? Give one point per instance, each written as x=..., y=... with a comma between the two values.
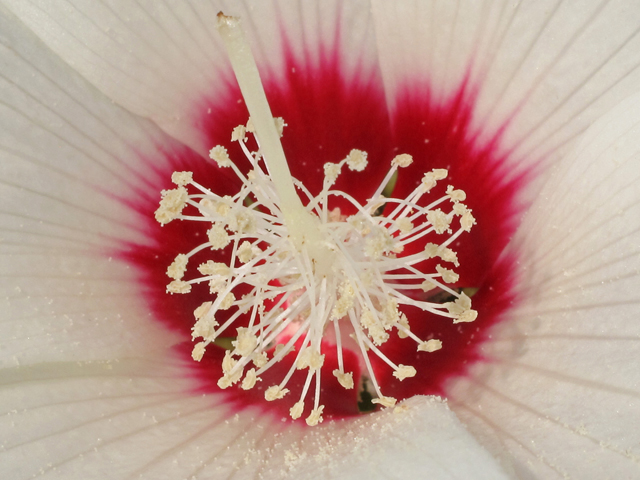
x=113, y=420
x=542, y=69
x=132, y=419
x=164, y=60
x=422, y=438
x=68, y=157
x=561, y=390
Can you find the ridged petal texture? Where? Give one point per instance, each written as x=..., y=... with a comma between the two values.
x=96, y=97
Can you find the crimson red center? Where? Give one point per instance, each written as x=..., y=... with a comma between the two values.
x=327, y=116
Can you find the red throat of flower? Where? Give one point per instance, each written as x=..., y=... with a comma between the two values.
x=347, y=298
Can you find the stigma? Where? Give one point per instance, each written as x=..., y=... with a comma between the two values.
x=297, y=272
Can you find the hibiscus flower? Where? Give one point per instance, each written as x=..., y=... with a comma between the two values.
x=101, y=101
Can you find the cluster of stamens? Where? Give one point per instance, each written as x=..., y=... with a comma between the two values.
x=346, y=271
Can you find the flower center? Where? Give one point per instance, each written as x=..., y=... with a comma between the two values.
x=292, y=269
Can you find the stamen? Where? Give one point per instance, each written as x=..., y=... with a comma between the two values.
x=304, y=266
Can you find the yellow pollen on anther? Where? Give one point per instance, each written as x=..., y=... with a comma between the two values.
x=295, y=269
x=430, y=346
x=359, y=289
x=315, y=417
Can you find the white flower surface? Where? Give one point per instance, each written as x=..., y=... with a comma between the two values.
x=95, y=96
